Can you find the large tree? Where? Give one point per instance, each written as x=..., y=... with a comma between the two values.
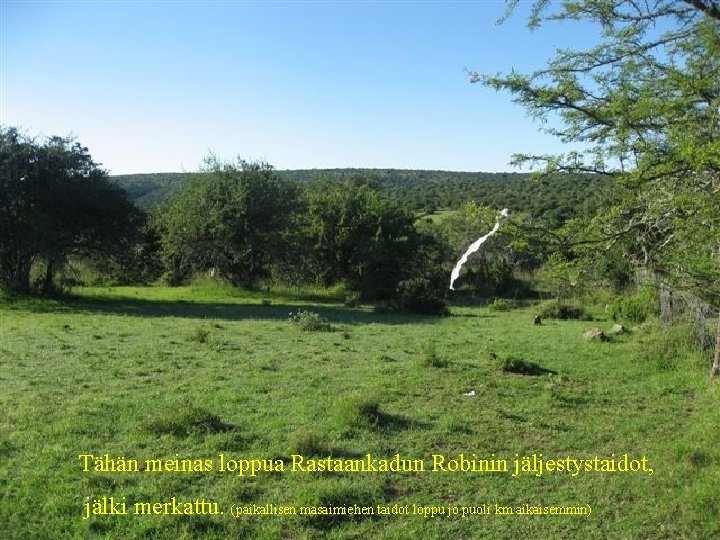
x=55, y=202
x=230, y=219
x=643, y=106
x=359, y=236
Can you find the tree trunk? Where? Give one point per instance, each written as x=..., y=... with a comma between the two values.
x=716, y=363
x=16, y=275
x=48, y=285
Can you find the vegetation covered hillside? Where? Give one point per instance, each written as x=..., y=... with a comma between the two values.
x=555, y=199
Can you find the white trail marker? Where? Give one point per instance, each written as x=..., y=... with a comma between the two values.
x=503, y=216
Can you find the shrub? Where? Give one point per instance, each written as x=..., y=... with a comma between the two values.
x=636, y=308
x=419, y=295
x=309, y=321
x=555, y=309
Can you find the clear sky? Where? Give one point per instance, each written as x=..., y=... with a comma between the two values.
x=155, y=86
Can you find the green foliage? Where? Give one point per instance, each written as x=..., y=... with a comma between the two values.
x=147, y=190
x=613, y=269
x=54, y=202
x=491, y=267
x=671, y=347
x=643, y=106
x=352, y=299
x=231, y=220
x=551, y=201
x=564, y=310
x=309, y=321
x=561, y=277
x=636, y=308
x=358, y=236
x=420, y=296
x=140, y=264
x=349, y=226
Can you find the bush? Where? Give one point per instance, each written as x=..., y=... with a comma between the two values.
x=562, y=310
x=309, y=321
x=420, y=296
x=636, y=308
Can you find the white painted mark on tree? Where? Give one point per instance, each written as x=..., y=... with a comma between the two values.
x=504, y=214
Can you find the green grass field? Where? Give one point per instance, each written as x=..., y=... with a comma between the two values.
x=438, y=216
x=192, y=373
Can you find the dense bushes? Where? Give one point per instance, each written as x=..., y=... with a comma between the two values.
x=419, y=295
x=635, y=308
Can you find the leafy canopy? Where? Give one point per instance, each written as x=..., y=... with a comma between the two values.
x=642, y=106
x=56, y=202
x=229, y=219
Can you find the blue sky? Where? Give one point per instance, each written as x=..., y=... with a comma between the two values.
x=155, y=86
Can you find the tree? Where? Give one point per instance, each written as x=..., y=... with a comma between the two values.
x=359, y=236
x=230, y=219
x=55, y=202
x=645, y=106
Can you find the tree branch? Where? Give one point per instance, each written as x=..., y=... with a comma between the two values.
x=711, y=9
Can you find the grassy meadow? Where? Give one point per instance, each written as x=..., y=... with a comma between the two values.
x=194, y=372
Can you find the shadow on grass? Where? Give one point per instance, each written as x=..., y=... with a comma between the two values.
x=138, y=307
x=523, y=367
x=394, y=422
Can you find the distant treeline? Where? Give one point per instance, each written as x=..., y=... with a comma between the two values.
x=553, y=199
x=65, y=222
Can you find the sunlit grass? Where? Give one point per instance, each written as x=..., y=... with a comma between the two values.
x=197, y=371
